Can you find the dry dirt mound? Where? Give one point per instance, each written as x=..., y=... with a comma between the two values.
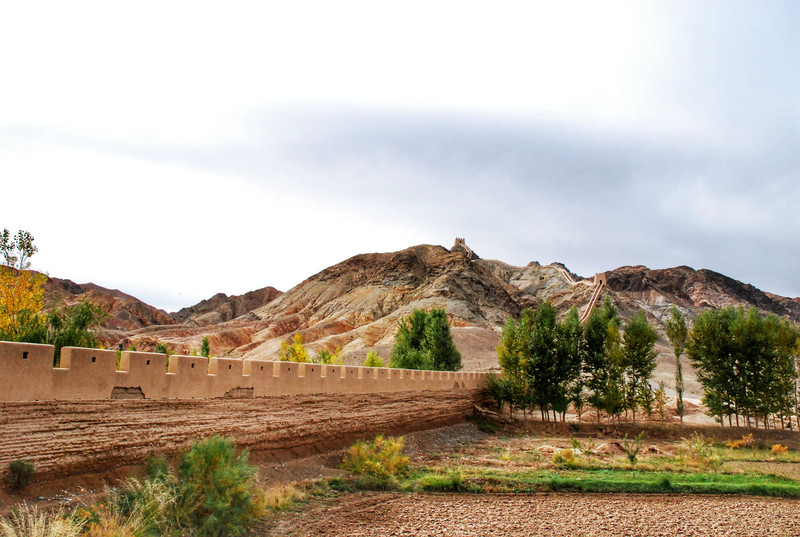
x=557, y=515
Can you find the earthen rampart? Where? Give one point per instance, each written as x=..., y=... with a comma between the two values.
x=27, y=374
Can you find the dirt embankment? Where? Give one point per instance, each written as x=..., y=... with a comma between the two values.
x=64, y=438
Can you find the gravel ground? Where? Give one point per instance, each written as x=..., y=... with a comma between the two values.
x=464, y=515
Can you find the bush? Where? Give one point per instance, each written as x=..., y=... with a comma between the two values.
x=452, y=481
x=778, y=450
x=632, y=448
x=229, y=499
x=20, y=474
x=380, y=458
x=746, y=441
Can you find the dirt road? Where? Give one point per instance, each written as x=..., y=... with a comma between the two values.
x=556, y=515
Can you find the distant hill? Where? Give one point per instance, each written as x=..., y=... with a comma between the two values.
x=356, y=304
x=221, y=307
x=125, y=313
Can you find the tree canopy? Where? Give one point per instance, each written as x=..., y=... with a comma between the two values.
x=423, y=341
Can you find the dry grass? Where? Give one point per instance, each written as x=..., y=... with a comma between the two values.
x=283, y=496
x=30, y=522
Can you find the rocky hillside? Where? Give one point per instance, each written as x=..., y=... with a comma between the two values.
x=356, y=304
x=221, y=307
x=125, y=313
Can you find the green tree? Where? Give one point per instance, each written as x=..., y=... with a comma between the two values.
x=205, y=348
x=74, y=326
x=745, y=363
x=439, y=342
x=373, y=360
x=225, y=483
x=423, y=341
x=541, y=361
x=568, y=370
x=598, y=368
x=330, y=358
x=639, y=358
x=611, y=397
x=678, y=333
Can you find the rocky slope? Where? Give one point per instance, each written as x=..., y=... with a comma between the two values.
x=125, y=313
x=221, y=307
x=356, y=304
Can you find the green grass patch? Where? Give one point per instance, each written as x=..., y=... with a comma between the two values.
x=481, y=480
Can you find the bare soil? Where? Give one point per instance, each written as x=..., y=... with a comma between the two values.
x=556, y=515
x=77, y=445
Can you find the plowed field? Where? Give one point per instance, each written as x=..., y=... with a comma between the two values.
x=556, y=515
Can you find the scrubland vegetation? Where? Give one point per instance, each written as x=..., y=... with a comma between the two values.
x=524, y=464
x=213, y=490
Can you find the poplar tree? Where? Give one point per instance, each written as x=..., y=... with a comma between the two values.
x=597, y=366
x=678, y=333
x=639, y=358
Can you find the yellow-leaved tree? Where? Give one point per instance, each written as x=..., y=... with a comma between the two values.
x=21, y=290
x=294, y=351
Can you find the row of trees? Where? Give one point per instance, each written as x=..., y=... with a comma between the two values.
x=22, y=302
x=746, y=364
x=550, y=365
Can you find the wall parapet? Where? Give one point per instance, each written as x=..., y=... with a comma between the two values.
x=28, y=375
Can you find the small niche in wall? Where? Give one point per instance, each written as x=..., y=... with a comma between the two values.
x=94, y=359
x=229, y=366
x=262, y=368
x=24, y=355
x=192, y=365
x=148, y=362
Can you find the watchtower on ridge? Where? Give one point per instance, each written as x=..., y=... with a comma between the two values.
x=461, y=246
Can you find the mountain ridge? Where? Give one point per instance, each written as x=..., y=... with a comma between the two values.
x=357, y=303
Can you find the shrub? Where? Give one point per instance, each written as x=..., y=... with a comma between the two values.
x=746, y=441
x=157, y=467
x=380, y=458
x=228, y=497
x=452, y=481
x=20, y=473
x=565, y=458
x=30, y=522
x=778, y=449
x=701, y=451
x=632, y=448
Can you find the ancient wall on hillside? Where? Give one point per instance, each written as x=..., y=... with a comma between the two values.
x=27, y=374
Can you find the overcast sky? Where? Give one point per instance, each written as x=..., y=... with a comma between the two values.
x=174, y=150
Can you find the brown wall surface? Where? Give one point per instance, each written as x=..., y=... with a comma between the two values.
x=28, y=375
